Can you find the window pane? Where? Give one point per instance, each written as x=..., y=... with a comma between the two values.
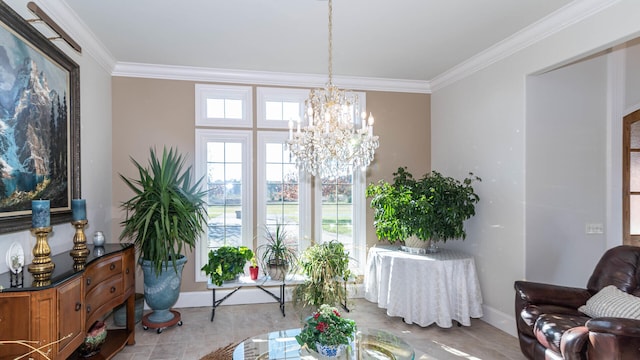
x=233, y=152
x=290, y=111
x=215, y=108
x=635, y=135
x=274, y=153
x=274, y=173
x=282, y=190
x=337, y=210
x=634, y=167
x=273, y=110
x=233, y=109
x=635, y=215
x=215, y=152
x=224, y=181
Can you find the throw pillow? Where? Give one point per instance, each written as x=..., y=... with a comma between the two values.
x=612, y=302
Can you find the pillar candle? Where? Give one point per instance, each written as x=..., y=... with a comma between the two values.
x=79, y=209
x=40, y=215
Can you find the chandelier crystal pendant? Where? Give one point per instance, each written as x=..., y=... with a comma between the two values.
x=330, y=145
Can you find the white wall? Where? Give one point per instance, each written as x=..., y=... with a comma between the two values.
x=479, y=124
x=565, y=172
x=95, y=108
x=632, y=77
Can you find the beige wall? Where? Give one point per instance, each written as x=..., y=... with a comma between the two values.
x=150, y=112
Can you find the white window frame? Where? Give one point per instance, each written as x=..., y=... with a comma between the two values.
x=234, y=92
x=264, y=94
x=204, y=136
x=304, y=191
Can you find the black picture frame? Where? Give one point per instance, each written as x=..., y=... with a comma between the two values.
x=58, y=131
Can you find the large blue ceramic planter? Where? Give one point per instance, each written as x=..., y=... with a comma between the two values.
x=161, y=292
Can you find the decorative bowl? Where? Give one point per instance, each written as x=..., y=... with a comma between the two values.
x=96, y=336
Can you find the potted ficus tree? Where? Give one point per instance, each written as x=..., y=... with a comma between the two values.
x=164, y=217
x=430, y=209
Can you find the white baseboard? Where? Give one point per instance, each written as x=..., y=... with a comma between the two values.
x=500, y=320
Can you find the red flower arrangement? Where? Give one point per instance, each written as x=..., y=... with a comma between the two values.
x=327, y=327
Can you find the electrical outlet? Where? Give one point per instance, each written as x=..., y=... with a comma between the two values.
x=594, y=228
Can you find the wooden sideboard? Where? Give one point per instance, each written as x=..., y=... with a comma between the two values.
x=68, y=307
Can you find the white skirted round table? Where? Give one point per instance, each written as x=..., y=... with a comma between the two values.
x=424, y=288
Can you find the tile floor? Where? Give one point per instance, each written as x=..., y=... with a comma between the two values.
x=233, y=323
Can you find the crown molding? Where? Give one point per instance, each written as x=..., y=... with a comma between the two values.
x=555, y=22
x=173, y=72
x=566, y=16
x=69, y=20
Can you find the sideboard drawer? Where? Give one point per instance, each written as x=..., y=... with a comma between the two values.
x=106, y=292
x=105, y=269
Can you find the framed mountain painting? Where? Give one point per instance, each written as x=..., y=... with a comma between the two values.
x=39, y=124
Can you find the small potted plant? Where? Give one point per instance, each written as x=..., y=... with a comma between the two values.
x=327, y=332
x=432, y=208
x=277, y=254
x=226, y=263
x=326, y=268
x=253, y=269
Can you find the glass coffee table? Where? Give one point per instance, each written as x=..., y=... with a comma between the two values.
x=279, y=345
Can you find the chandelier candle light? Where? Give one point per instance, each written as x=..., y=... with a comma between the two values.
x=330, y=145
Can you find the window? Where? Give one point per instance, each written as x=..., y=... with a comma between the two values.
x=276, y=106
x=223, y=158
x=631, y=179
x=283, y=192
x=340, y=213
x=220, y=105
x=335, y=209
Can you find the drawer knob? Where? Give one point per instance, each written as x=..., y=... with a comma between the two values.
x=88, y=308
x=78, y=306
x=88, y=281
x=127, y=271
x=113, y=289
x=113, y=266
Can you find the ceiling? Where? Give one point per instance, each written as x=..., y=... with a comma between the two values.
x=389, y=39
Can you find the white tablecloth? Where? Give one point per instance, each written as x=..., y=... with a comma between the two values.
x=424, y=289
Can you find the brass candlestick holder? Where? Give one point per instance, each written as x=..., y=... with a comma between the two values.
x=80, y=251
x=41, y=267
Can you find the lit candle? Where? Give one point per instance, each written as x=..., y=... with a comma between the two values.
x=290, y=129
x=310, y=116
x=79, y=209
x=40, y=215
x=370, y=124
x=363, y=119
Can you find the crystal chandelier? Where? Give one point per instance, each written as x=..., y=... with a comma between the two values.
x=330, y=145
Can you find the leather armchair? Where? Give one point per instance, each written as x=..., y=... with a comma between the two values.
x=551, y=327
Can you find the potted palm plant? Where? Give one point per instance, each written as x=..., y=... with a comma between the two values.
x=277, y=254
x=432, y=208
x=165, y=216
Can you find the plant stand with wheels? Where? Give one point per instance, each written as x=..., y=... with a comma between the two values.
x=146, y=324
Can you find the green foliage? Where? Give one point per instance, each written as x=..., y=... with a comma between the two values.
x=166, y=212
x=326, y=267
x=226, y=262
x=327, y=327
x=277, y=251
x=433, y=207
